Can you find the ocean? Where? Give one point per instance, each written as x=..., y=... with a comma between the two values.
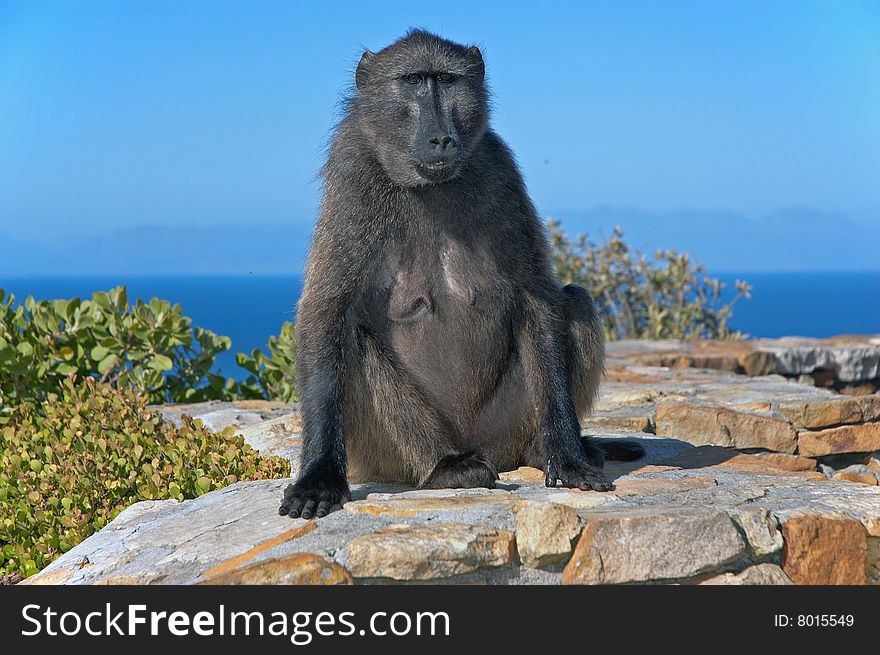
x=808, y=304
x=248, y=309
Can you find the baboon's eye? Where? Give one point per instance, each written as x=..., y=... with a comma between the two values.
x=445, y=77
x=414, y=78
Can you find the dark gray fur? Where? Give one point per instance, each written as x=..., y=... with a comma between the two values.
x=435, y=345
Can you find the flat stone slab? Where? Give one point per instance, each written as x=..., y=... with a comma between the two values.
x=707, y=513
x=654, y=544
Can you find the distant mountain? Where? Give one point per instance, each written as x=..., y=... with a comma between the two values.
x=161, y=250
x=786, y=240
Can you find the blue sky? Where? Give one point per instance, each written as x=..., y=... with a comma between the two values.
x=115, y=115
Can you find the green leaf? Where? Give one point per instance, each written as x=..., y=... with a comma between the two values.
x=106, y=364
x=98, y=353
x=161, y=363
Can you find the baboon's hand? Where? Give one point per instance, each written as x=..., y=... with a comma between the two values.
x=575, y=474
x=314, y=497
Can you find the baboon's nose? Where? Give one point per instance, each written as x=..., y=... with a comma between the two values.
x=442, y=143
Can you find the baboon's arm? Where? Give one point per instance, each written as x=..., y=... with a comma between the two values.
x=323, y=332
x=321, y=484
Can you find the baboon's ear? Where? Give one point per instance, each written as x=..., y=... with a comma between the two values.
x=363, y=69
x=474, y=52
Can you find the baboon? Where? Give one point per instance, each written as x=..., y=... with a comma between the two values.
x=435, y=345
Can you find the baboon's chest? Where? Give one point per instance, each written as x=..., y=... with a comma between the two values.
x=436, y=285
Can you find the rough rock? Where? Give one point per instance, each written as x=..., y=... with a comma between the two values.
x=831, y=412
x=854, y=389
x=729, y=458
x=722, y=356
x=419, y=552
x=280, y=436
x=857, y=473
x=712, y=424
x=235, y=563
x=523, y=474
x=414, y=505
x=759, y=528
x=824, y=549
x=850, y=359
x=787, y=462
x=872, y=563
x=217, y=415
x=844, y=439
x=759, y=574
x=643, y=545
x=639, y=418
x=545, y=533
x=850, y=362
x=295, y=569
x=657, y=486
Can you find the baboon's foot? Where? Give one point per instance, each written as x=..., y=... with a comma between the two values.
x=461, y=471
x=581, y=469
x=587, y=478
x=314, y=497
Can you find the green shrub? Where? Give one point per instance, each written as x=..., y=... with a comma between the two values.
x=273, y=374
x=150, y=346
x=69, y=466
x=667, y=297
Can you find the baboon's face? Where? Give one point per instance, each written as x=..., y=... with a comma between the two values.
x=423, y=110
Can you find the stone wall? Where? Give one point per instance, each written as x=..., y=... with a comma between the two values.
x=748, y=479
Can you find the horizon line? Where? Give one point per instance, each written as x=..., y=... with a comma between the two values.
x=299, y=273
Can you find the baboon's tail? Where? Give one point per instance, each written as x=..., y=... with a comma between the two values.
x=623, y=450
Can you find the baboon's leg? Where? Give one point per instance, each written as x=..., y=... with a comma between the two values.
x=585, y=362
x=544, y=340
x=585, y=352
x=422, y=438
